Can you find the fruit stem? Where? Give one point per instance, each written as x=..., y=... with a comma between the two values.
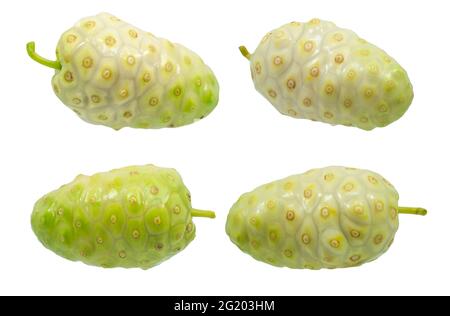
x=31, y=50
x=245, y=52
x=202, y=213
x=412, y=211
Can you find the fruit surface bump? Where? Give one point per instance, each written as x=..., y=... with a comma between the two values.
x=133, y=217
x=333, y=217
x=322, y=72
x=114, y=74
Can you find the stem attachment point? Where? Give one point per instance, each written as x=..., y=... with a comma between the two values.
x=412, y=211
x=202, y=213
x=31, y=50
x=245, y=52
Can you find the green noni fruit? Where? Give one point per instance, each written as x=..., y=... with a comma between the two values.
x=134, y=217
x=333, y=217
x=321, y=72
x=112, y=73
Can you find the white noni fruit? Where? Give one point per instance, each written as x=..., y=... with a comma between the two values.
x=112, y=73
x=322, y=72
x=333, y=217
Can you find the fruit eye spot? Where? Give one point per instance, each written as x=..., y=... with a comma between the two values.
x=379, y=206
x=177, y=91
x=154, y=190
x=110, y=41
x=355, y=258
x=378, y=239
x=270, y=204
x=348, y=103
x=168, y=67
x=348, y=187
x=258, y=68
x=325, y=212
x=338, y=37
x=393, y=213
x=364, y=119
x=277, y=61
x=106, y=74
x=307, y=193
x=68, y=76
x=133, y=34
x=307, y=102
x=95, y=98
x=368, y=93
x=329, y=89
x=89, y=24
x=123, y=93
x=153, y=101
x=351, y=74
x=127, y=114
x=272, y=93
x=157, y=220
x=290, y=215
x=136, y=234
x=306, y=239
x=176, y=210
x=339, y=59
x=87, y=62
x=273, y=235
x=358, y=210
x=315, y=72
x=131, y=60
x=291, y=84
x=335, y=243
x=146, y=77
x=308, y=46
x=71, y=38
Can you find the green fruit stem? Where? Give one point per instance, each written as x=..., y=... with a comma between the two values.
x=412, y=211
x=202, y=213
x=245, y=52
x=31, y=50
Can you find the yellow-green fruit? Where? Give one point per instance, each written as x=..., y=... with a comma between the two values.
x=321, y=72
x=112, y=73
x=334, y=217
x=134, y=217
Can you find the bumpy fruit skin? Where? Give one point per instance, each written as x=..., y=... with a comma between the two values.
x=333, y=217
x=130, y=217
x=117, y=75
x=321, y=72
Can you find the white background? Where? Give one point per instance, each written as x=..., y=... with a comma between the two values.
x=242, y=144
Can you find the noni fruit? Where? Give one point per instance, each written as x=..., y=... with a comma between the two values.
x=321, y=72
x=134, y=217
x=112, y=73
x=334, y=217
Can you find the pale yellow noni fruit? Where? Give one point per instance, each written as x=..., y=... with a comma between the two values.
x=114, y=74
x=333, y=217
x=322, y=72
